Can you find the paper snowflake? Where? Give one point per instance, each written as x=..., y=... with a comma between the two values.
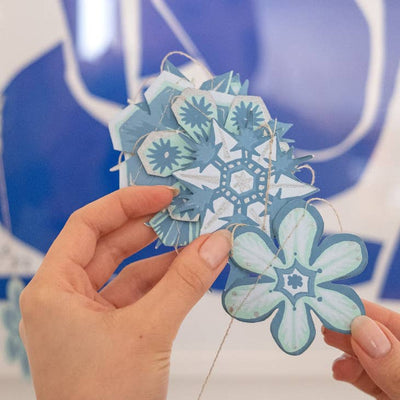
x=216, y=144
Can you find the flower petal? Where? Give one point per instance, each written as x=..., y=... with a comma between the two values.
x=297, y=231
x=255, y=253
x=293, y=328
x=336, y=306
x=344, y=255
x=251, y=302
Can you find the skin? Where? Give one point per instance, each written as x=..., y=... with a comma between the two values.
x=85, y=341
x=376, y=373
x=90, y=339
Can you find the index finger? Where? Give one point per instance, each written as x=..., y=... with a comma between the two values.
x=77, y=241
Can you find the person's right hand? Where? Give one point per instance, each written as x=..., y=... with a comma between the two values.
x=371, y=359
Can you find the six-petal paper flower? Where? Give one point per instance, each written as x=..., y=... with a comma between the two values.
x=296, y=277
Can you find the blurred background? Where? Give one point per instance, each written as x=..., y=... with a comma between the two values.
x=330, y=68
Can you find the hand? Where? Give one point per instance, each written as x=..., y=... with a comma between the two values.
x=372, y=353
x=115, y=343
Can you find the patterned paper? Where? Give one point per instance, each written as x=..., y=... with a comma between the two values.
x=235, y=169
x=217, y=145
x=295, y=276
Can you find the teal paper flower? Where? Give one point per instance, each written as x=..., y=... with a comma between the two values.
x=296, y=277
x=11, y=316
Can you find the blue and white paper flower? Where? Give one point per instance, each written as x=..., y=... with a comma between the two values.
x=11, y=316
x=295, y=277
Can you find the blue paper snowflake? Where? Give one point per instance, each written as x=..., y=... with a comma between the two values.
x=218, y=143
x=164, y=156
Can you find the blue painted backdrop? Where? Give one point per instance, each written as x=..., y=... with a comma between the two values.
x=309, y=60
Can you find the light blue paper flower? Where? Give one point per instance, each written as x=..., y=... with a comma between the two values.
x=11, y=316
x=296, y=277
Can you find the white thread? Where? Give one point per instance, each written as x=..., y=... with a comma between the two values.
x=187, y=56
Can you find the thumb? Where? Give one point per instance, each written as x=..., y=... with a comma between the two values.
x=190, y=275
x=378, y=351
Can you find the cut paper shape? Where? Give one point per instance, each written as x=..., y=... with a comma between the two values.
x=247, y=112
x=218, y=144
x=163, y=152
x=235, y=169
x=11, y=315
x=295, y=277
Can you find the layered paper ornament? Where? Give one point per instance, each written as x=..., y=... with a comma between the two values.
x=236, y=169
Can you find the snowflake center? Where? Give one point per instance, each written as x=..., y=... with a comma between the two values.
x=241, y=181
x=166, y=154
x=295, y=282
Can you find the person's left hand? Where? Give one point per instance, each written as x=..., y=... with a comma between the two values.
x=114, y=343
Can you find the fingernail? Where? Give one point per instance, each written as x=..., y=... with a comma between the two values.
x=216, y=248
x=370, y=337
x=323, y=330
x=175, y=191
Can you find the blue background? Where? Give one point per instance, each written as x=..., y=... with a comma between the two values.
x=309, y=60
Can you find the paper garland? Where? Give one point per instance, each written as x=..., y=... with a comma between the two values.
x=235, y=168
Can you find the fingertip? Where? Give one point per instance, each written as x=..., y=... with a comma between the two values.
x=148, y=199
x=346, y=368
x=370, y=337
x=337, y=367
x=216, y=248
